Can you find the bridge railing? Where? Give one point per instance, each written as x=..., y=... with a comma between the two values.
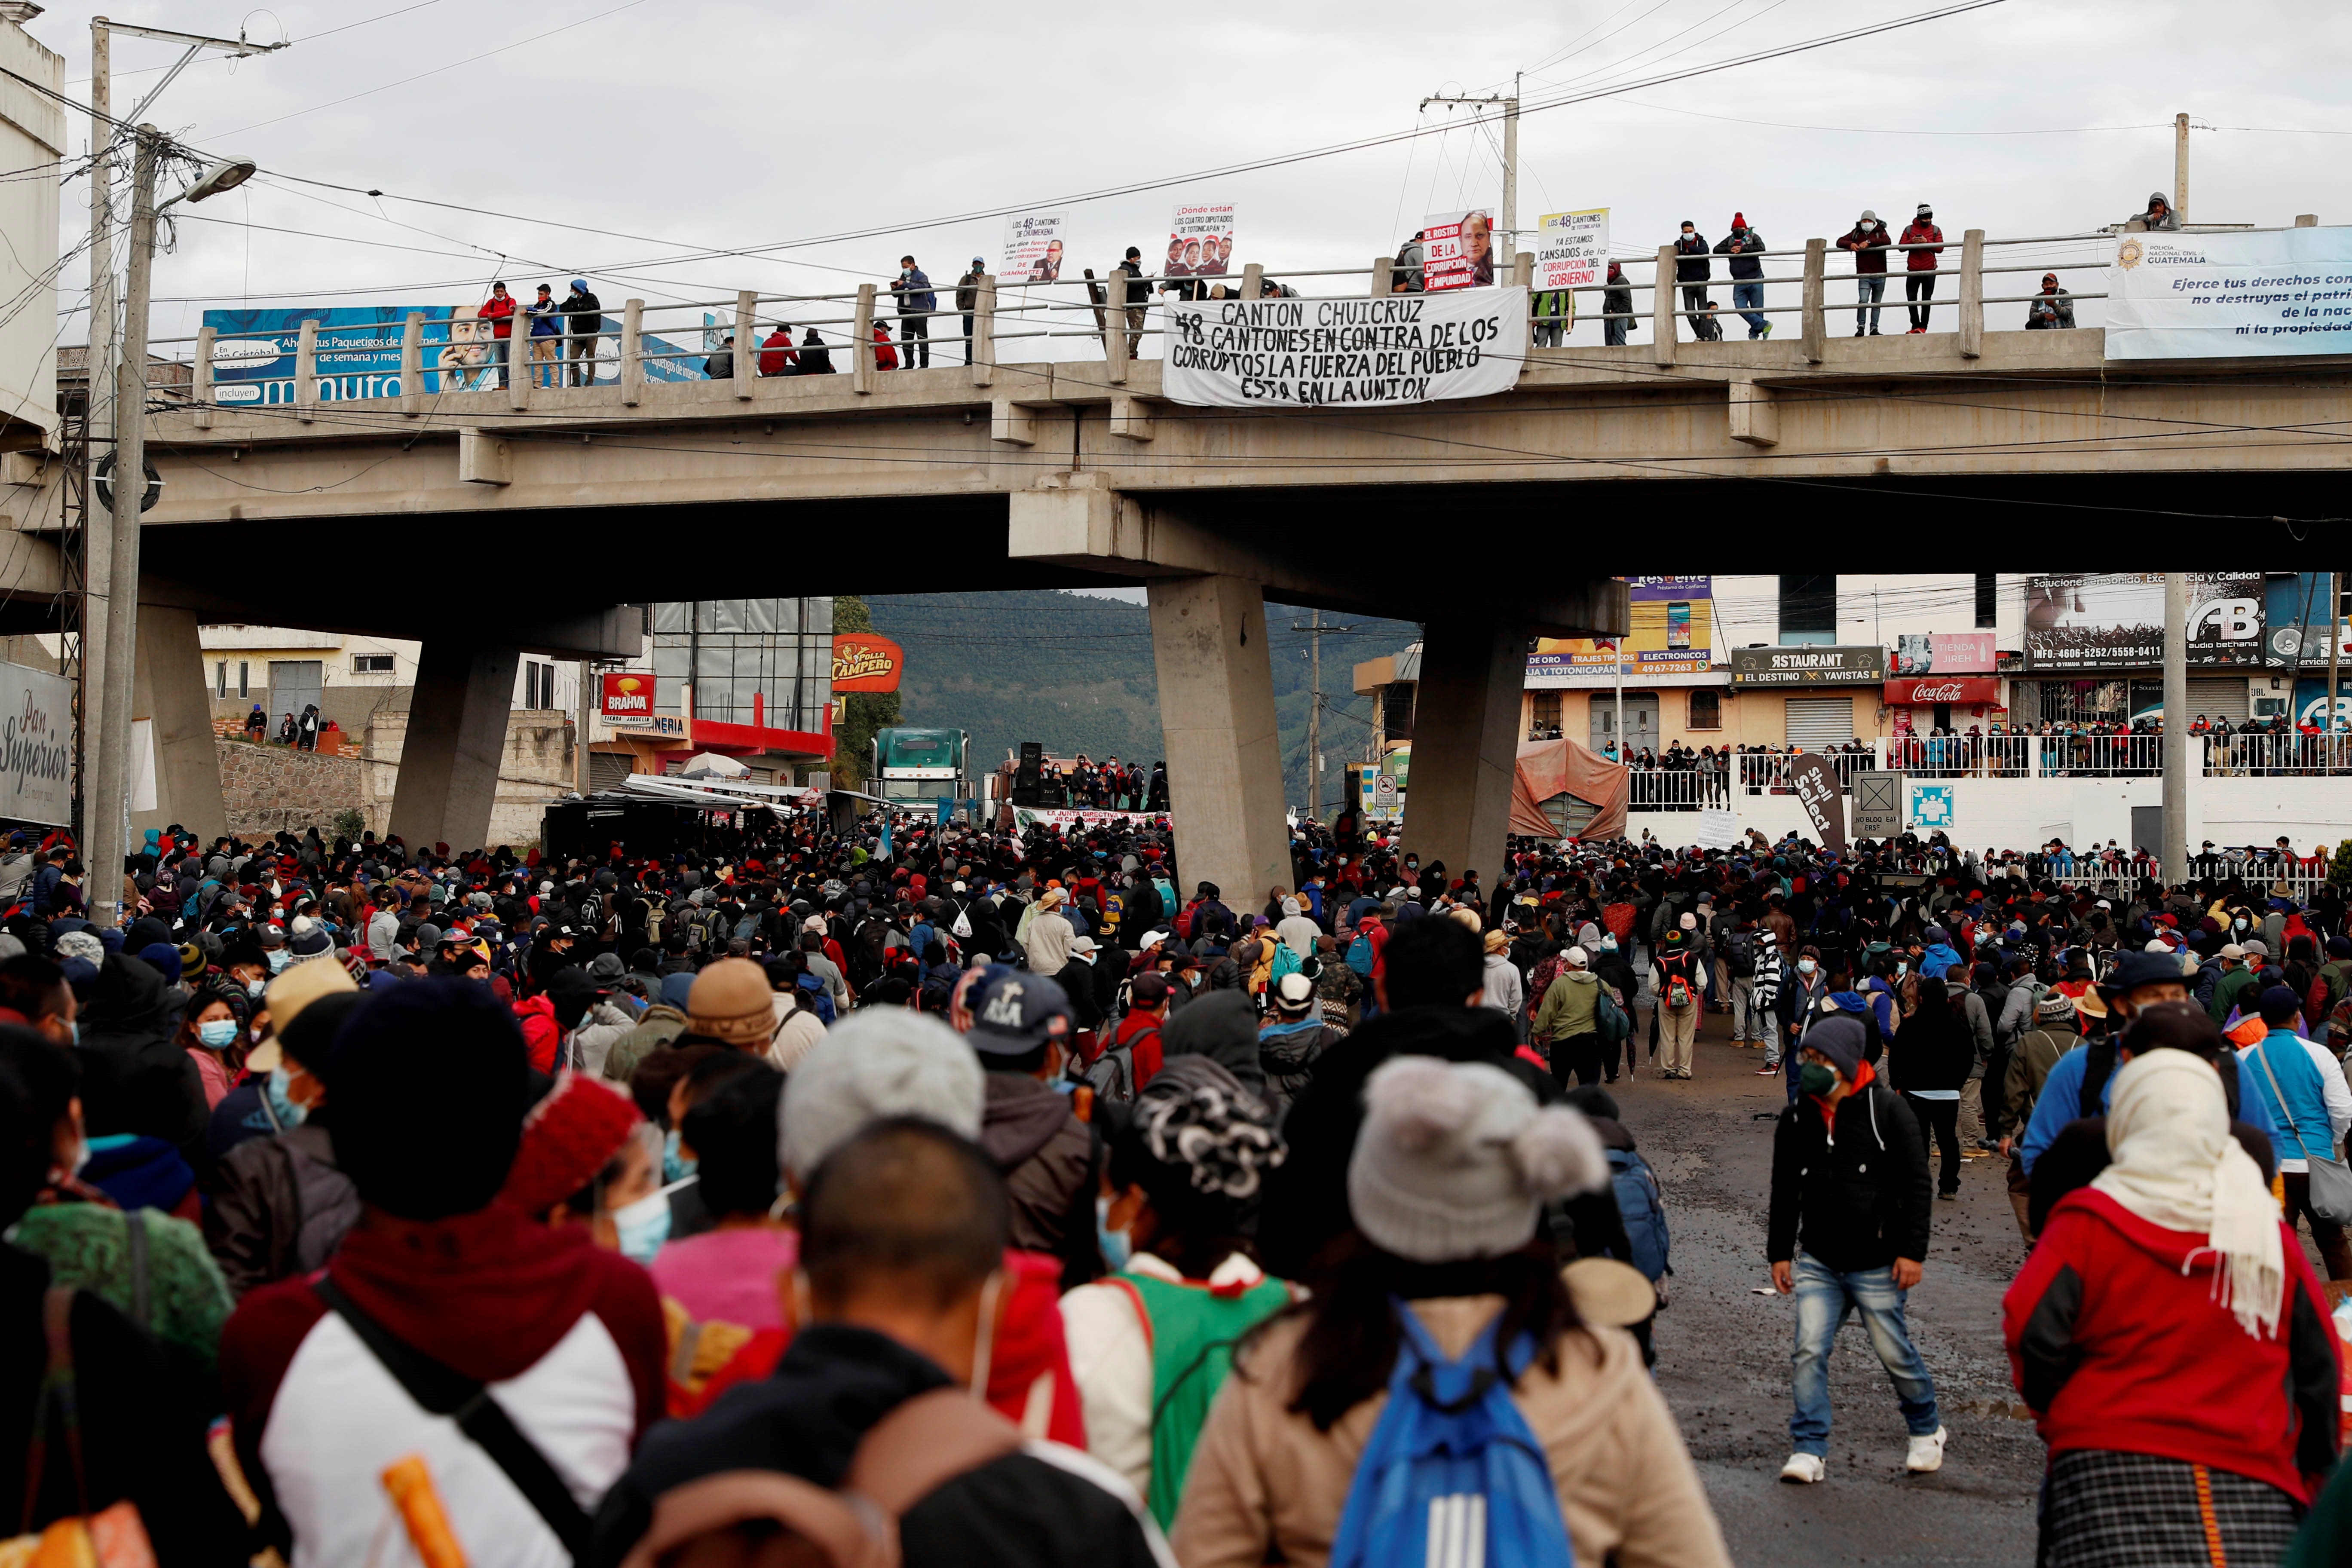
x=685, y=340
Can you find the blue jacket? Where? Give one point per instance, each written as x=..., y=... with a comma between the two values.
x=2306, y=1099
x=2062, y=1091
x=914, y=291
x=1937, y=959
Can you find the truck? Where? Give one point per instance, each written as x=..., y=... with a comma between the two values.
x=916, y=766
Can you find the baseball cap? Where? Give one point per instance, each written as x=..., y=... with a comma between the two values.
x=1014, y=1012
x=2231, y=949
x=1294, y=994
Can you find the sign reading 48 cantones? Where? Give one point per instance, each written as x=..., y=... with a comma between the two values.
x=1319, y=353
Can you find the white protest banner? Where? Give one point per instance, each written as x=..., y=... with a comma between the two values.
x=1457, y=251
x=1717, y=829
x=1064, y=821
x=1572, y=249
x=2230, y=296
x=1319, y=353
x=1200, y=242
x=37, y=745
x=1033, y=250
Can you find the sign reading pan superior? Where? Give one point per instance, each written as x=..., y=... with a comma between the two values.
x=1321, y=353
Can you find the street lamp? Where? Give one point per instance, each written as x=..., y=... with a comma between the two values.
x=225, y=175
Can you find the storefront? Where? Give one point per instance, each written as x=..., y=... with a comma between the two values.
x=1816, y=696
x=1943, y=680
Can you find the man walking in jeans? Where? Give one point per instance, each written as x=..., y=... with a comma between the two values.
x=1850, y=1188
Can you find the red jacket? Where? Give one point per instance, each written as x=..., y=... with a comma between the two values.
x=500, y=308
x=1148, y=1057
x=776, y=352
x=2119, y=1349
x=540, y=1038
x=885, y=356
x=1924, y=234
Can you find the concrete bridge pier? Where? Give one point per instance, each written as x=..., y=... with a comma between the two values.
x=456, y=734
x=1224, y=753
x=168, y=691
x=1465, y=744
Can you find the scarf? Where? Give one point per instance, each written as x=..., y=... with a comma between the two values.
x=2177, y=1166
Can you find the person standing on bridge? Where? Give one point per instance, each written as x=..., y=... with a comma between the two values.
x=917, y=302
x=498, y=311
x=1868, y=241
x=1926, y=243
x=586, y=316
x=1616, y=307
x=1743, y=247
x=546, y=337
x=966, y=298
x=1693, y=271
x=1128, y=278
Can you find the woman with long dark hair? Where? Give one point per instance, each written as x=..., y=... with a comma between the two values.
x=1930, y=1058
x=1444, y=1300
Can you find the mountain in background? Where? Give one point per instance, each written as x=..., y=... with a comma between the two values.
x=1075, y=673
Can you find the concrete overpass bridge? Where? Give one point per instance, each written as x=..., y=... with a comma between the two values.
x=488, y=523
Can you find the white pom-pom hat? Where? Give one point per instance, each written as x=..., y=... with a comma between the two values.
x=1456, y=1160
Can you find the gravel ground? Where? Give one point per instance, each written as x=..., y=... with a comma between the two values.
x=1723, y=1349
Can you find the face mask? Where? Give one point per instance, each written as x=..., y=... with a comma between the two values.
x=1805, y=967
x=288, y=1114
x=253, y=988
x=1815, y=1078
x=642, y=1227
x=217, y=1033
x=1902, y=966
x=276, y=960
x=1117, y=1247
x=2242, y=925
x=676, y=1167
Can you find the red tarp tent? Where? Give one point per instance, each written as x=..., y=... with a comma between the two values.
x=1547, y=768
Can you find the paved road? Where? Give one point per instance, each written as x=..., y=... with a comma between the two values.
x=1723, y=1350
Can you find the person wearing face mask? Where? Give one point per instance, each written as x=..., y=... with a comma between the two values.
x=281, y=1201
x=1868, y=240
x=1799, y=1007
x=2238, y=984
x=1850, y=1189
x=1693, y=268
x=442, y=1285
x=898, y=1302
x=211, y=1028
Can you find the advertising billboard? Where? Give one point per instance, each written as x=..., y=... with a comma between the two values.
x=628, y=695
x=37, y=745
x=359, y=353
x=1808, y=664
x=865, y=662
x=1942, y=652
x=1672, y=633
x=2102, y=620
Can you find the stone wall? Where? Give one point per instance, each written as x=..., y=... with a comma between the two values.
x=266, y=788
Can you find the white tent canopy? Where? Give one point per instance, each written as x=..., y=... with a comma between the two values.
x=711, y=765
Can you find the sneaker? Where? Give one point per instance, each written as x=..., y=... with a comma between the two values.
x=1685, y=1072
x=1805, y=1469
x=1926, y=1456
x=1953, y=1194
x=1767, y=332
x=1769, y=1070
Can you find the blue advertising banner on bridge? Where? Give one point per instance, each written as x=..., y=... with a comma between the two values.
x=359, y=353
x=2230, y=295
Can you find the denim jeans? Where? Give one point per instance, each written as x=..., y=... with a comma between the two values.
x=1869, y=288
x=1747, y=298
x=1824, y=1301
x=1613, y=332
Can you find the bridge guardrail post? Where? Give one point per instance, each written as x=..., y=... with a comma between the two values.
x=1114, y=327
x=202, y=400
x=1814, y=325
x=1383, y=275
x=518, y=362
x=306, y=373
x=1253, y=278
x=1662, y=305
x=1523, y=270
x=411, y=365
x=981, y=353
x=1972, y=293
x=747, y=315
x=861, y=352
x=633, y=352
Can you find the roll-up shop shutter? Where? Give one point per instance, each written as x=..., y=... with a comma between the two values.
x=1817, y=723
x=2218, y=697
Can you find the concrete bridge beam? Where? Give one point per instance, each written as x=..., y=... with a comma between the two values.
x=1466, y=744
x=456, y=734
x=1216, y=716
x=168, y=691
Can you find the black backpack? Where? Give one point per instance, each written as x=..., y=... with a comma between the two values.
x=1739, y=947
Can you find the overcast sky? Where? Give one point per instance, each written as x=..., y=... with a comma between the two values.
x=713, y=123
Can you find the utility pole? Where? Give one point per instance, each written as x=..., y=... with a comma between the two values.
x=2176, y=737
x=108, y=809
x=2334, y=652
x=98, y=421
x=579, y=748
x=1510, y=225
x=2180, y=167
x=1315, y=720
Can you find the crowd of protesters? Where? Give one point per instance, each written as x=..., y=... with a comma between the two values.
x=993, y=1187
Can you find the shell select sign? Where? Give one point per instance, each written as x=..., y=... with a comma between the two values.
x=863, y=662
x=628, y=696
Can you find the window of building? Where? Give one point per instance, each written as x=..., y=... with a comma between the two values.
x=220, y=679
x=1988, y=600
x=1543, y=713
x=1706, y=711
x=244, y=679
x=371, y=664
x=538, y=684
x=1396, y=710
x=1808, y=607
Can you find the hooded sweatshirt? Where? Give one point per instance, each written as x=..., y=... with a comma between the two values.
x=135, y=1077
x=1572, y=1006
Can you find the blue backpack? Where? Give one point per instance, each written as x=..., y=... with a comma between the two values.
x=1452, y=1475
x=1644, y=1210
x=1360, y=955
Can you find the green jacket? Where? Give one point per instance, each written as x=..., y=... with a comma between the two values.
x=2230, y=993
x=1570, y=1008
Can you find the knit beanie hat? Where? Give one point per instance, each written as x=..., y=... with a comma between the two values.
x=1456, y=1161
x=2055, y=1007
x=880, y=1063
x=164, y=959
x=1839, y=1036
x=571, y=1136
x=1199, y=1144
x=731, y=1001
x=410, y=1145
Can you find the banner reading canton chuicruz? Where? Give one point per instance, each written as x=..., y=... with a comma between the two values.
x=1317, y=353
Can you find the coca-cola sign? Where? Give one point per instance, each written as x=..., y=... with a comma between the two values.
x=1927, y=691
